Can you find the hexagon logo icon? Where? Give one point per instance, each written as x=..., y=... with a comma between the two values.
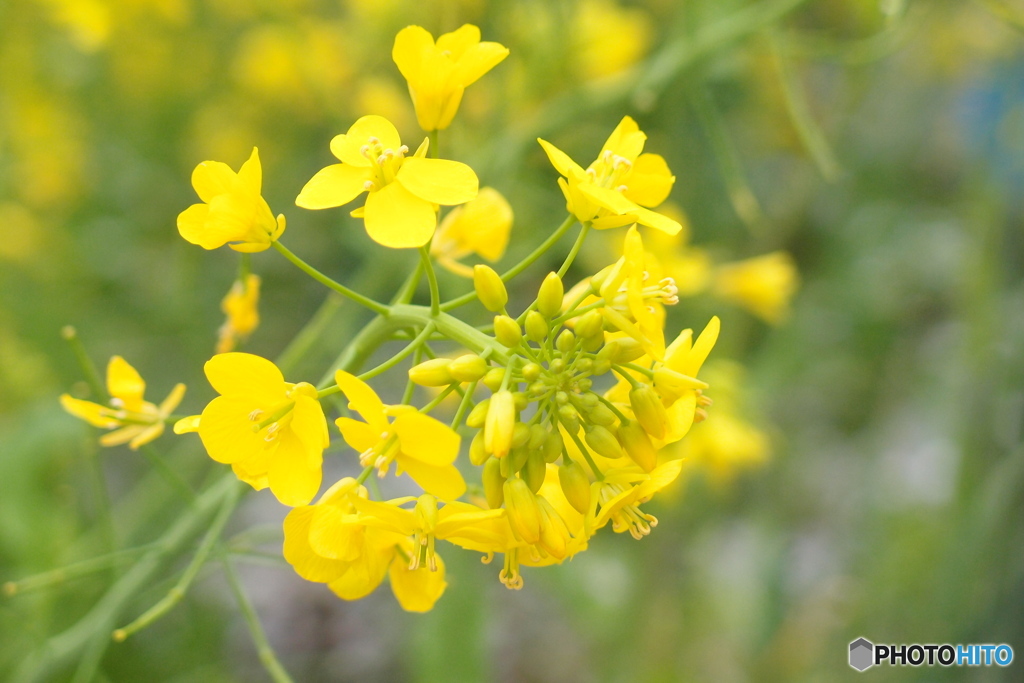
x=862, y=654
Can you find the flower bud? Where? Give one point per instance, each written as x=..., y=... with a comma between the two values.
x=575, y=486
x=521, y=400
x=603, y=442
x=506, y=331
x=468, y=368
x=622, y=350
x=520, y=434
x=538, y=435
x=494, y=483
x=549, y=298
x=554, y=534
x=566, y=341
x=586, y=402
x=534, y=470
x=536, y=326
x=649, y=410
x=583, y=365
x=489, y=288
x=638, y=445
x=672, y=384
x=478, y=415
x=584, y=384
x=531, y=371
x=561, y=398
x=556, y=366
x=477, y=453
x=593, y=344
x=494, y=377
x=501, y=422
x=601, y=366
x=553, y=446
x=568, y=416
x=537, y=389
x=523, y=512
x=514, y=462
x=590, y=324
x=601, y=415
x=432, y=373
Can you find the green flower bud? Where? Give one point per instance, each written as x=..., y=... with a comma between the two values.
x=477, y=453
x=593, y=344
x=603, y=442
x=590, y=324
x=514, y=462
x=583, y=365
x=586, y=401
x=537, y=389
x=549, y=299
x=601, y=366
x=566, y=341
x=468, y=368
x=506, y=331
x=622, y=350
x=520, y=435
x=521, y=400
x=568, y=416
x=489, y=288
x=494, y=483
x=493, y=379
x=601, y=415
x=584, y=384
x=536, y=326
x=534, y=470
x=531, y=371
x=432, y=373
x=537, y=437
x=575, y=486
x=638, y=445
x=523, y=512
x=553, y=446
x=649, y=410
x=561, y=398
x=556, y=366
x=478, y=415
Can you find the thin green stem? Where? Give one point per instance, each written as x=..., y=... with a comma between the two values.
x=92, y=375
x=410, y=386
x=406, y=292
x=74, y=571
x=436, y=401
x=571, y=256
x=259, y=638
x=169, y=474
x=364, y=474
x=435, y=293
x=463, y=409
x=618, y=369
x=586, y=454
x=416, y=343
x=611, y=406
x=638, y=368
x=328, y=282
x=519, y=267
x=574, y=312
x=435, y=149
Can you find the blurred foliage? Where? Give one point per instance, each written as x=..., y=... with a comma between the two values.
x=880, y=142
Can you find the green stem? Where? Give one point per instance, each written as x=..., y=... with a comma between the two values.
x=638, y=368
x=173, y=479
x=328, y=282
x=259, y=638
x=73, y=571
x=416, y=343
x=435, y=293
x=618, y=369
x=586, y=455
x=571, y=256
x=611, y=406
x=574, y=312
x=406, y=292
x=364, y=474
x=435, y=149
x=519, y=267
x=467, y=400
x=92, y=375
x=436, y=401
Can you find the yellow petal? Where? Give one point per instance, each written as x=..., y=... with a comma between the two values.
x=476, y=61
x=173, y=399
x=293, y=476
x=362, y=399
x=299, y=553
x=146, y=435
x=627, y=140
x=609, y=199
x=560, y=160
x=246, y=374
x=650, y=181
x=398, y=219
x=333, y=186
x=701, y=348
x=458, y=41
x=125, y=383
x=417, y=590
x=439, y=181
x=187, y=425
x=387, y=516
x=192, y=227
x=251, y=173
x=426, y=439
x=88, y=411
x=309, y=423
x=349, y=148
x=213, y=178
x=359, y=435
x=655, y=220
x=226, y=430
x=123, y=435
x=412, y=44
x=366, y=573
x=336, y=535
x=257, y=480
x=444, y=482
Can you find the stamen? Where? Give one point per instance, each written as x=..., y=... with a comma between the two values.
x=369, y=186
x=255, y=415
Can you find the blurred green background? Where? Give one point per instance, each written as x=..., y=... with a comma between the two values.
x=880, y=142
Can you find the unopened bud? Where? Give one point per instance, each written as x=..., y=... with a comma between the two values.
x=523, y=512
x=520, y=435
x=556, y=366
x=478, y=416
x=593, y=344
x=622, y=350
x=506, y=331
x=477, y=453
x=601, y=366
x=494, y=483
x=649, y=410
x=501, y=422
x=601, y=415
x=537, y=437
x=590, y=324
x=575, y=486
x=553, y=446
x=554, y=534
x=534, y=470
x=514, y=461
x=638, y=445
x=531, y=371
x=489, y=288
x=583, y=365
x=566, y=341
x=568, y=416
x=672, y=384
x=493, y=379
x=521, y=400
x=549, y=298
x=432, y=373
x=536, y=326
x=468, y=368
x=603, y=442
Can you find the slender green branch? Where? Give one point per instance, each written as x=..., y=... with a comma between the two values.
x=259, y=638
x=416, y=343
x=435, y=149
x=406, y=292
x=435, y=293
x=571, y=256
x=611, y=406
x=92, y=375
x=364, y=474
x=74, y=571
x=463, y=409
x=586, y=454
x=638, y=368
x=436, y=401
x=169, y=474
x=575, y=312
x=328, y=282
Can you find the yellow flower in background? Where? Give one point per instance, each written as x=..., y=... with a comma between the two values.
x=608, y=38
x=136, y=421
x=402, y=192
x=241, y=306
x=615, y=189
x=480, y=227
x=764, y=285
x=233, y=211
x=418, y=444
x=272, y=433
x=438, y=74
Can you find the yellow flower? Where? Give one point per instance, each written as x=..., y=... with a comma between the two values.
x=418, y=444
x=763, y=285
x=438, y=73
x=623, y=490
x=137, y=422
x=608, y=38
x=332, y=542
x=480, y=227
x=272, y=433
x=403, y=192
x=241, y=308
x=233, y=210
x=614, y=190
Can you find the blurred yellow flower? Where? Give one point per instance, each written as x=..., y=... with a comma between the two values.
x=403, y=192
x=614, y=190
x=137, y=422
x=438, y=74
x=608, y=38
x=418, y=444
x=241, y=308
x=233, y=210
x=481, y=227
x=272, y=433
x=764, y=285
